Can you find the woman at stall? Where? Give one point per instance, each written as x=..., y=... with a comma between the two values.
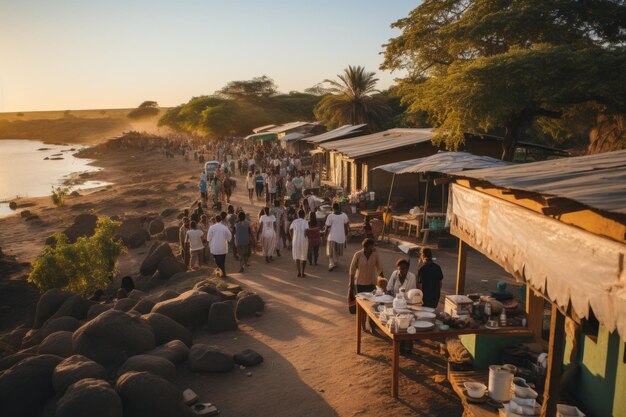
x=300, y=245
x=267, y=234
x=401, y=278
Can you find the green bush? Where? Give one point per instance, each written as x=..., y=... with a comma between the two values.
x=58, y=195
x=80, y=267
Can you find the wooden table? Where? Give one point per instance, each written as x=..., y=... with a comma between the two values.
x=408, y=220
x=364, y=308
x=457, y=378
x=371, y=213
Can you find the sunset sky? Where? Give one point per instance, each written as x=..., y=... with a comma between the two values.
x=66, y=54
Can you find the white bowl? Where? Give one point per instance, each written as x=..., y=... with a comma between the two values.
x=475, y=389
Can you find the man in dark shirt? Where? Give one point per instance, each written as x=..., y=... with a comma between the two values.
x=429, y=278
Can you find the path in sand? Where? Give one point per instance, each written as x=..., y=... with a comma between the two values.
x=307, y=338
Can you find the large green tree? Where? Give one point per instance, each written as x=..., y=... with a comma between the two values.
x=485, y=65
x=353, y=99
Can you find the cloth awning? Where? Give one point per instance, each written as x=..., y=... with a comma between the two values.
x=443, y=162
x=262, y=136
x=568, y=264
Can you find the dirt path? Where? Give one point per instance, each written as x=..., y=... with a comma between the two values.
x=307, y=338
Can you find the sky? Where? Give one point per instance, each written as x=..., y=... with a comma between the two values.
x=77, y=54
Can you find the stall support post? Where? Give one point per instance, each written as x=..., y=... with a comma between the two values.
x=555, y=362
x=534, y=310
x=461, y=265
x=393, y=179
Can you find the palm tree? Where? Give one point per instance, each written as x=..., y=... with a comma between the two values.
x=352, y=101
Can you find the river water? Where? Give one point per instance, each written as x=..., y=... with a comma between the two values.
x=25, y=172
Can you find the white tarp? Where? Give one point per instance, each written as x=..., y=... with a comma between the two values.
x=566, y=263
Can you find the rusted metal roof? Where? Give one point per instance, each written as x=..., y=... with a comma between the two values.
x=597, y=181
x=381, y=142
x=443, y=162
x=335, y=134
x=290, y=126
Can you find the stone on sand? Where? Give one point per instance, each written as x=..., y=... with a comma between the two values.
x=248, y=305
x=169, y=266
x=222, y=317
x=171, y=234
x=207, y=358
x=168, y=212
x=113, y=336
x=57, y=343
x=89, y=397
x=156, y=226
x=144, y=394
x=84, y=225
x=157, y=251
x=48, y=304
x=174, y=351
x=167, y=329
x=156, y=365
x=27, y=385
x=248, y=357
x=190, y=309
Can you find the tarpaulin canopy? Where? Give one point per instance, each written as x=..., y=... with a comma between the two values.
x=568, y=264
x=262, y=136
x=443, y=162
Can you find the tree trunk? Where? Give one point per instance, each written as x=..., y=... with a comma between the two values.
x=510, y=139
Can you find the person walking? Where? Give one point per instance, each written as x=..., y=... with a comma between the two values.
x=244, y=240
x=218, y=238
x=313, y=234
x=193, y=238
x=429, y=278
x=336, y=230
x=271, y=188
x=300, y=243
x=182, y=235
x=259, y=182
x=279, y=214
x=267, y=234
x=250, y=185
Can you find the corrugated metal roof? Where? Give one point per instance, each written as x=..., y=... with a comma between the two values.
x=597, y=181
x=380, y=142
x=262, y=136
x=262, y=128
x=338, y=133
x=443, y=162
x=288, y=126
x=293, y=136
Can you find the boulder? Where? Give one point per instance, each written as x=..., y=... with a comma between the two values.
x=248, y=357
x=84, y=225
x=125, y=304
x=222, y=318
x=13, y=205
x=97, y=309
x=157, y=252
x=180, y=186
x=130, y=227
x=58, y=343
x=15, y=337
x=190, y=309
x=113, y=336
x=48, y=304
x=169, y=266
x=207, y=287
x=136, y=240
x=31, y=338
x=24, y=213
x=165, y=295
x=9, y=361
x=248, y=305
x=27, y=385
x=171, y=234
x=156, y=365
x=73, y=369
x=156, y=226
x=136, y=294
x=64, y=323
x=175, y=351
x=74, y=306
x=143, y=306
x=167, y=329
x=90, y=397
x=168, y=212
x=207, y=358
x=144, y=394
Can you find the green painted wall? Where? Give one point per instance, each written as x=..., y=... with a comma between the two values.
x=487, y=350
x=601, y=385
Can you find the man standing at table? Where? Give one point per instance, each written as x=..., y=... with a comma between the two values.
x=336, y=231
x=429, y=278
x=218, y=238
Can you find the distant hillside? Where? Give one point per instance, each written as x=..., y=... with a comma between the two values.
x=73, y=126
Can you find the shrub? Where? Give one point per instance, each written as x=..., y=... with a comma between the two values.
x=58, y=195
x=80, y=267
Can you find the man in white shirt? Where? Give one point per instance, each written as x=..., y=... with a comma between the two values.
x=336, y=231
x=194, y=239
x=250, y=184
x=218, y=237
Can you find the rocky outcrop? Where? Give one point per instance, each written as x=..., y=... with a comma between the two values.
x=206, y=358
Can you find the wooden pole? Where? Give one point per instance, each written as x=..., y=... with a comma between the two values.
x=534, y=310
x=555, y=362
x=461, y=264
x=425, y=219
x=393, y=179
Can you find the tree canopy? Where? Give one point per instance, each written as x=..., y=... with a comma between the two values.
x=145, y=109
x=256, y=88
x=353, y=99
x=484, y=65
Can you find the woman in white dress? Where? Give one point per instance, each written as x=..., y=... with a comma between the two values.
x=300, y=243
x=267, y=234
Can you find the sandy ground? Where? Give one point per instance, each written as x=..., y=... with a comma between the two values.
x=306, y=335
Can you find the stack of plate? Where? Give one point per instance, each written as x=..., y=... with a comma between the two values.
x=422, y=326
x=385, y=298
